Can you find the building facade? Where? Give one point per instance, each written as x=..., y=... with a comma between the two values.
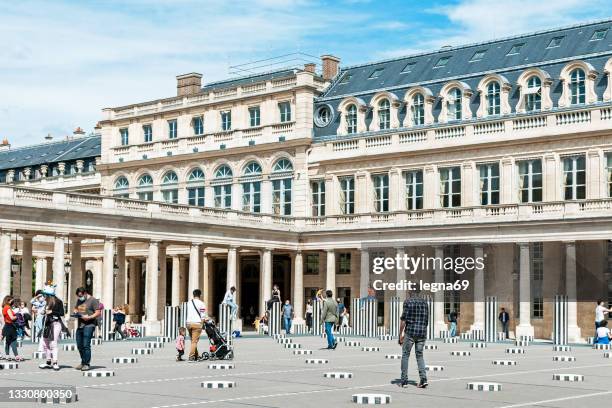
x=500, y=150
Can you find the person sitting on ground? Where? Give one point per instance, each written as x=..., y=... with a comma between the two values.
x=180, y=344
x=603, y=333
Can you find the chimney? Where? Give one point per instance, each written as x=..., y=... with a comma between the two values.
x=330, y=66
x=48, y=138
x=78, y=132
x=5, y=145
x=310, y=67
x=188, y=84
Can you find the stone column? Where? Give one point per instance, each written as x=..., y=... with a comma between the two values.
x=176, y=280
x=152, y=323
x=39, y=279
x=26, y=267
x=133, y=276
x=439, y=323
x=266, y=267
x=364, y=277
x=298, y=287
x=231, y=267
x=400, y=252
x=161, y=283
x=97, y=278
x=108, y=277
x=76, y=271
x=524, y=328
x=330, y=275
x=58, y=266
x=183, y=279
x=479, y=292
x=573, y=330
x=206, y=287
x=120, y=281
x=194, y=267
x=5, y=263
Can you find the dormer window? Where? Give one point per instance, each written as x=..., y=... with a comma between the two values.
x=418, y=109
x=493, y=99
x=577, y=87
x=555, y=42
x=478, y=55
x=533, y=94
x=516, y=49
x=599, y=35
x=345, y=79
x=442, y=62
x=408, y=67
x=351, y=119
x=453, y=104
x=384, y=114
x=377, y=72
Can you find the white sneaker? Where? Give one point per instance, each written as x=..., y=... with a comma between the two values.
x=56, y=366
x=45, y=365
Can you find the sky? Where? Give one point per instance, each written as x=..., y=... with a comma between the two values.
x=62, y=62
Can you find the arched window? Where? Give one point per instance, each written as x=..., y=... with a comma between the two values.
x=577, y=87
x=351, y=119
x=251, y=188
x=453, y=104
x=145, y=187
x=195, y=187
x=170, y=187
x=281, y=187
x=533, y=94
x=384, y=114
x=493, y=99
x=223, y=188
x=418, y=109
x=121, y=186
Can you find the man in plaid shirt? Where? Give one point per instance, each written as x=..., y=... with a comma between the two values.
x=413, y=332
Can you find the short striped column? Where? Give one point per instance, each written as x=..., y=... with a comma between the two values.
x=560, y=322
x=171, y=320
x=107, y=324
x=317, y=330
x=356, y=317
x=274, y=321
x=394, y=317
x=431, y=332
x=370, y=317
x=182, y=320
x=225, y=323
x=490, y=333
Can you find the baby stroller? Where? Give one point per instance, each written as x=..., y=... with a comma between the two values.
x=219, y=349
x=131, y=331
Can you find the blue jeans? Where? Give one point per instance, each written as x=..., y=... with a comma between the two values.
x=419, y=344
x=330, y=337
x=287, y=324
x=233, y=307
x=83, y=342
x=453, y=329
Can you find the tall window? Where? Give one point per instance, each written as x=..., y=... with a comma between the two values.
x=226, y=120
x=344, y=263
x=195, y=187
x=537, y=279
x=489, y=183
x=223, y=187
x=121, y=188
x=145, y=187
x=450, y=187
x=169, y=187
x=254, y=116
x=574, y=177
x=198, y=125
x=384, y=114
x=172, y=129
x=381, y=192
x=251, y=188
x=418, y=109
x=125, y=136
x=318, y=198
x=282, y=171
x=453, y=104
x=533, y=94
x=577, y=87
x=609, y=171
x=147, y=131
x=284, y=109
x=312, y=264
x=493, y=98
x=414, y=190
x=351, y=119
x=530, y=181
x=347, y=195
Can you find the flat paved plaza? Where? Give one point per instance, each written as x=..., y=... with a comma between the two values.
x=266, y=374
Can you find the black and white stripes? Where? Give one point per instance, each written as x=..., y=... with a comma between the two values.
x=491, y=319
x=560, y=322
x=171, y=321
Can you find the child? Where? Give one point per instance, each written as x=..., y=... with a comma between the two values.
x=20, y=320
x=180, y=344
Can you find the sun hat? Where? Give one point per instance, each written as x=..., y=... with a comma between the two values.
x=49, y=290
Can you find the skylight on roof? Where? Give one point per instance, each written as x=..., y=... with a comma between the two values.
x=516, y=49
x=376, y=73
x=478, y=55
x=442, y=62
x=408, y=67
x=555, y=42
x=345, y=79
x=599, y=34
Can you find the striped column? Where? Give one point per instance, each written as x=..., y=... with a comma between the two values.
x=316, y=318
x=274, y=323
x=226, y=323
x=107, y=324
x=171, y=321
x=430, y=326
x=370, y=317
x=491, y=319
x=356, y=317
x=395, y=309
x=182, y=322
x=560, y=323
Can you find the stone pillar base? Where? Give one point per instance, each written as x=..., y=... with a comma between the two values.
x=524, y=330
x=574, y=334
x=153, y=327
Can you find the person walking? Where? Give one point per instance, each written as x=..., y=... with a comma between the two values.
x=413, y=332
x=340, y=311
x=308, y=315
x=329, y=313
x=119, y=319
x=600, y=315
x=52, y=328
x=9, y=332
x=230, y=300
x=87, y=312
x=504, y=318
x=452, y=318
x=344, y=317
x=196, y=315
x=287, y=316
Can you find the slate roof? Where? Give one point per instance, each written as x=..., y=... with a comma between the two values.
x=248, y=79
x=53, y=152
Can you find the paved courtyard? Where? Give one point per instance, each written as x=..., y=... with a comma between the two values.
x=266, y=374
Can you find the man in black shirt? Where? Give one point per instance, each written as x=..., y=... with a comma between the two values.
x=87, y=310
x=413, y=332
x=504, y=318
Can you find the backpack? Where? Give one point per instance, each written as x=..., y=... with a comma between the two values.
x=19, y=320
